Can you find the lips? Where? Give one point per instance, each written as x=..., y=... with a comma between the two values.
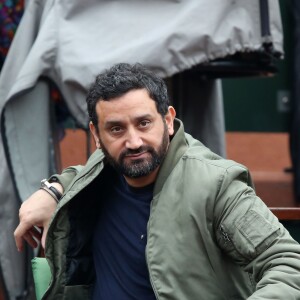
x=136, y=155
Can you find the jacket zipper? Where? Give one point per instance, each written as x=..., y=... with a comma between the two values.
x=147, y=260
x=225, y=235
x=227, y=239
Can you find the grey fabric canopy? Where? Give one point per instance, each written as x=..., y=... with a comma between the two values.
x=70, y=42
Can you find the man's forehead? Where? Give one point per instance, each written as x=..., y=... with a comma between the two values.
x=133, y=93
x=116, y=120
x=134, y=103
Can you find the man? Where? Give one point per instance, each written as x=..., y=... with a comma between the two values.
x=154, y=214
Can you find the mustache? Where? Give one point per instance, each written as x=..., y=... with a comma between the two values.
x=135, y=151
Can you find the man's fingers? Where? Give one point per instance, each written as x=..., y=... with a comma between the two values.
x=22, y=233
x=30, y=240
x=36, y=233
x=18, y=234
x=43, y=241
x=36, y=211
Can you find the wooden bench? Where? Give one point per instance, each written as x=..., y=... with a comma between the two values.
x=286, y=213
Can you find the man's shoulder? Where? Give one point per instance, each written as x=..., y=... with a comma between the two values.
x=92, y=166
x=198, y=152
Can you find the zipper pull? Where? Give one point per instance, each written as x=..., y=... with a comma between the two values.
x=225, y=235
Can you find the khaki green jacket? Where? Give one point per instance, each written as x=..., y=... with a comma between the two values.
x=209, y=236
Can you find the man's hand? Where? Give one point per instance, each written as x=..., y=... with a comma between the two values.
x=35, y=212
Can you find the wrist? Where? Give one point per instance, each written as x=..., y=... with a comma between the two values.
x=53, y=189
x=58, y=186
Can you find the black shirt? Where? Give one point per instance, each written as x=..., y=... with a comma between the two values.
x=119, y=243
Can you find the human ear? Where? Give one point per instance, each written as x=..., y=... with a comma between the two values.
x=170, y=116
x=95, y=134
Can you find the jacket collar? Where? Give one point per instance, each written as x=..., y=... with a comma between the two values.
x=177, y=148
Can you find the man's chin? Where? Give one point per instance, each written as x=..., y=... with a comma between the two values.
x=138, y=169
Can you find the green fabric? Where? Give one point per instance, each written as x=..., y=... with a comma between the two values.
x=209, y=236
x=41, y=275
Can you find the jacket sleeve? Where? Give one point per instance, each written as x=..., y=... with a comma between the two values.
x=67, y=175
x=254, y=238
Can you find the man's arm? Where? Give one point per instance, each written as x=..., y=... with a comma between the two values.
x=38, y=210
x=253, y=237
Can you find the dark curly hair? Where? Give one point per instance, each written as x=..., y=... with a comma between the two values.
x=122, y=78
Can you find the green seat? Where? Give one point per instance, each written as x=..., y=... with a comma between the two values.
x=41, y=276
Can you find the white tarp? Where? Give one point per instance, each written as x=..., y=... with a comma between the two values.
x=70, y=41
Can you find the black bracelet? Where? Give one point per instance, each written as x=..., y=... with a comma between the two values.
x=50, y=193
x=51, y=189
x=55, y=192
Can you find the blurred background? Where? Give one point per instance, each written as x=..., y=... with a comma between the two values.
x=232, y=69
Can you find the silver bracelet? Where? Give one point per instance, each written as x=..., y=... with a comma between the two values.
x=49, y=192
x=47, y=186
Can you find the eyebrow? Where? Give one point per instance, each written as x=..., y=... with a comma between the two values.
x=111, y=123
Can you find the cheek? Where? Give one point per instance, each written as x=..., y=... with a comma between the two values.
x=116, y=149
x=113, y=147
x=155, y=140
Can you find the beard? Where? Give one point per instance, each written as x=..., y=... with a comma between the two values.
x=139, y=167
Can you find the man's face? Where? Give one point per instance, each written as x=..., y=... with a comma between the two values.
x=133, y=135
x=138, y=167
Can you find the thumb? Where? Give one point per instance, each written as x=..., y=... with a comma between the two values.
x=43, y=241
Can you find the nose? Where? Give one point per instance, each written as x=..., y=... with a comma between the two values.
x=133, y=139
